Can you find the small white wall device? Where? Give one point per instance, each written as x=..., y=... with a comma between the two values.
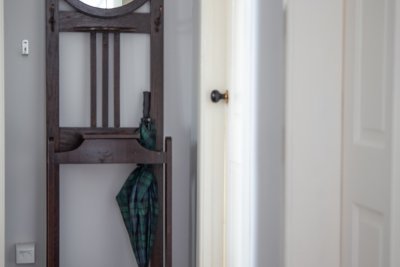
x=25, y=47
x=25, y=253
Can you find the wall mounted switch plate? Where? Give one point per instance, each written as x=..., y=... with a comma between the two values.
x=25, y=253
x=25, y=47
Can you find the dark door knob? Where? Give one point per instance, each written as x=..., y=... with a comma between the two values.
x=216, y=96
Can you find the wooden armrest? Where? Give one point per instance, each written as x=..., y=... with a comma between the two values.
x=110, y=136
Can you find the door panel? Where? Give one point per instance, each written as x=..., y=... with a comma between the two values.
x=212, y=134
x=367, y=144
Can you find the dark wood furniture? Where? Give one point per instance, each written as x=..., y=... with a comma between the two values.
x=105, y=143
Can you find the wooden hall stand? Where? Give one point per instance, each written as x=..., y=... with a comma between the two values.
x=105, y=144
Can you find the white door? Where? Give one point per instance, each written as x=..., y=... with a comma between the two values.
x=214, y=18
x=227, y=45
x=368, y=133
x=343, y=201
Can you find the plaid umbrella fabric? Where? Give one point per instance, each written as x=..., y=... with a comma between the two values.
x=138, y=201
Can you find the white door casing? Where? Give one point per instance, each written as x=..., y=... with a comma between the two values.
x=368, y=133
x=241, y=136
x=395, y=208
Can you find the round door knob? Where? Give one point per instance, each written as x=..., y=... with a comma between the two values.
x=216, y=96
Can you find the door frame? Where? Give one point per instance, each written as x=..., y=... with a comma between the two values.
x=395, y=209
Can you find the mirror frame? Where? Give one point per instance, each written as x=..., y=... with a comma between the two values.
x=103, y=12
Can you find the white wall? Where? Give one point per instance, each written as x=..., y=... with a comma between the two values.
x=270, y=135
x=313, y=135
x=25, y=146
x=2, y=197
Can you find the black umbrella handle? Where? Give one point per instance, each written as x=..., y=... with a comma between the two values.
x=146, y=104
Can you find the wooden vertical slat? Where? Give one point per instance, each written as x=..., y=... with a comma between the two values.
x=157, y=66
x=52, y=70
x=168, y=203
x=156, y=113
x=105, y=80
x=93, y=80
x=117, y=77
x=52, y=122
x=53, y=208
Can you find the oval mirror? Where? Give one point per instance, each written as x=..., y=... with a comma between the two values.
x=106, y=8
x=106, y=4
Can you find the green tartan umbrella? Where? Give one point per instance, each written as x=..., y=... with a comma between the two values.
x=138, y=201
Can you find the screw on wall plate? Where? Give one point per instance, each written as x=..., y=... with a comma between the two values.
x=25, y=47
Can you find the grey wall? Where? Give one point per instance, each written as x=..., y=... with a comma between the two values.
x=87, y=194
x=270, y=135
x=25, y=127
